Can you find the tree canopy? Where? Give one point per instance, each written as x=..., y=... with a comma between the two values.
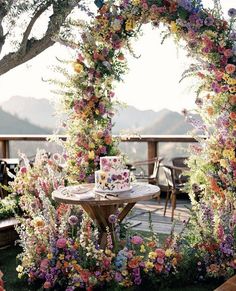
x=21, y=35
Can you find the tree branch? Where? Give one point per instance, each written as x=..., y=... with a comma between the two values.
x=33, y=46
x=28, y=30
x=4, y=8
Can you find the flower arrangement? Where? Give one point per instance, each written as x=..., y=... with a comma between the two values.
x=67, y=251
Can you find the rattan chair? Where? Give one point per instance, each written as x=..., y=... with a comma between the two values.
x=180, y=166
x=140, y=171
x=174, y=187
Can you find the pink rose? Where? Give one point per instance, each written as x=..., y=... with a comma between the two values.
x=136, y=240
x=230, y=69
x=61, y=243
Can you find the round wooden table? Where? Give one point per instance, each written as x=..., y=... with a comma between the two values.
x=100, y=206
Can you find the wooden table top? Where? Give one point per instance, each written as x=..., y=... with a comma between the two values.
x=85, y=194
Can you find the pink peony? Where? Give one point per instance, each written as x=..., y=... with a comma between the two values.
x=61, y=243
x=136, y=240
x=23, y=170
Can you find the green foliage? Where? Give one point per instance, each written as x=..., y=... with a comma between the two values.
x=9, y=206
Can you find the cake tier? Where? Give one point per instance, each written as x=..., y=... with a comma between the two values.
x=111, y=163
x=112, y=181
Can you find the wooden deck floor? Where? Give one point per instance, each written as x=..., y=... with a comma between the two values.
x=161, y=224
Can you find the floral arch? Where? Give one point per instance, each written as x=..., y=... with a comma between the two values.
x=101, y=60
x=209, y=239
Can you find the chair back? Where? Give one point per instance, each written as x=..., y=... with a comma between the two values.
x=169, y=173
x=179, y=162
x=156, y=167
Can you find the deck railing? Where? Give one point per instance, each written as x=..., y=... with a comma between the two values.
x=152, y=141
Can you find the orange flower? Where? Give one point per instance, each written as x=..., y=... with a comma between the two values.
x=134, y=263
x=215, y=187
x=233, y=115
x=108, y=139
x=232, y=99
x=210, y=110
x=65, y=264
x=158, y=267
x=230, y=69
x=151, y=244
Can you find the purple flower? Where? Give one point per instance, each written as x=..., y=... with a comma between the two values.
x=73, y=220
x=118, y=277
x=209, y=21
x=112, y=218
x=186, y=4
x=136, y=240
x=137, y=281
x=232, y=35
x=232, y=12
x=61, y=243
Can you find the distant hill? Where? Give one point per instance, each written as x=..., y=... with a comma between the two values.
x=126, y=120
x=38, y=111
x=130, y=118
x=169, y=122
x=10, y=124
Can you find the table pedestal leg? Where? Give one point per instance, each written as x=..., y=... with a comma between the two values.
x=100, y=215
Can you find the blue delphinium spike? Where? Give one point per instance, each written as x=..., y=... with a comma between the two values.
x=99, y=3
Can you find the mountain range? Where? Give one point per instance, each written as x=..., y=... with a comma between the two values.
x=29, y=115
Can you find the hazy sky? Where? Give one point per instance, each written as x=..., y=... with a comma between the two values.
x=152, y=81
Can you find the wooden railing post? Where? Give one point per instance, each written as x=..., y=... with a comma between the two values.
x=4, y=149
x=152, y=153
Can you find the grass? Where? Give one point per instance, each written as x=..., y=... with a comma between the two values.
x=8, y=264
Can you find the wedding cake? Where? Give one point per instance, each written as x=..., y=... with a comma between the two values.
x=112, y=177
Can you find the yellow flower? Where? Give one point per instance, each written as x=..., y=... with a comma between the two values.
x=168, y=253
x=173, y=27
x=152, y=255
x=228, y=154
x=61, y=257
x=223, y=163
x=91, y=145
x=130, y=24
x=49, y=256
x=91, y=155
x=38, y=222
x=135, y=2
x=78, y=67
x=19, y=269
x=74, y=262
x=149, y=265
x=20, y=275
x=142, y=249
x=108, y=252
x=124, y=272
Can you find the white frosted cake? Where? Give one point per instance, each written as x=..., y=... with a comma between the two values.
x=112, y=177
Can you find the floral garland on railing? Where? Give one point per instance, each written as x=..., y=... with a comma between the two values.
x=207, y=245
